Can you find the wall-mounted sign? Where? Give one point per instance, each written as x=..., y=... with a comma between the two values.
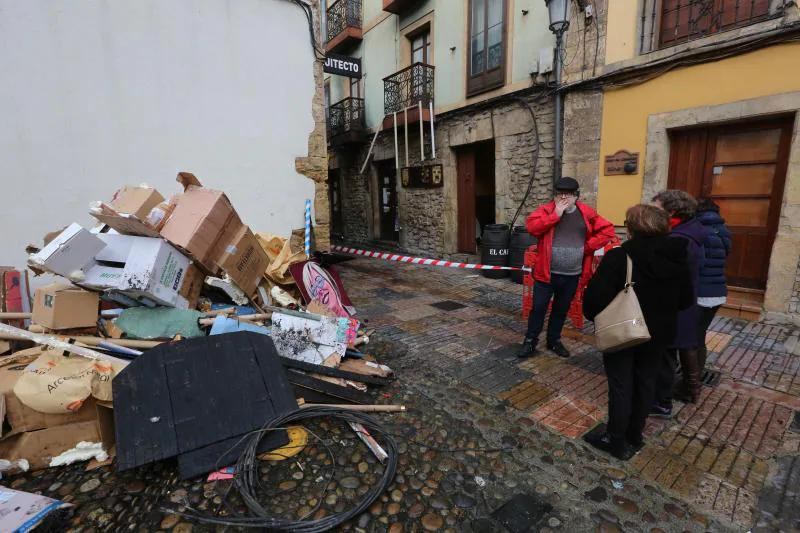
x=343, y=66
x=621, y=163
x=424, y=177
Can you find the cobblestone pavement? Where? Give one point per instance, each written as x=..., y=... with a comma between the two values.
x=728, y=463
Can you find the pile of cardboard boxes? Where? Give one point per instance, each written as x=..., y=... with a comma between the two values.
x=144, y=251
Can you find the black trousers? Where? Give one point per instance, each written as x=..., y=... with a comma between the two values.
x=631, y=389
x=665, y=377
x=706, y=317
x=562, y=290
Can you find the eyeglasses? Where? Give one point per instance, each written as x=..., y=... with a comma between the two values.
x=564, y=194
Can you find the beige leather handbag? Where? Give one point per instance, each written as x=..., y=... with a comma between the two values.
x=621, y=324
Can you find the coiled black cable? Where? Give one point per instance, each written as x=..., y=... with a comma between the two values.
x=247, y=478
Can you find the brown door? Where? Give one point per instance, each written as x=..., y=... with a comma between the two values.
x=743, y=169
x=390, y=228
x=466, y=201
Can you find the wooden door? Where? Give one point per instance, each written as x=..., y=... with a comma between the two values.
x=466, y=201
x=743, y=169
x=390, y=228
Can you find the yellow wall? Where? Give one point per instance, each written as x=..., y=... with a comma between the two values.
x=622, y=29
x=625, y=111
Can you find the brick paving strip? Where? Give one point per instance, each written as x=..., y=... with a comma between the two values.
x=731, y=454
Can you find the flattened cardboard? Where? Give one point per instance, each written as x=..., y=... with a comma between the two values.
x=136, y=201
x=59, y=306
x=127, y=225
x=39, y=447
x=23, y=511
x=244, y=261
x=21, y=417
x=72, y=250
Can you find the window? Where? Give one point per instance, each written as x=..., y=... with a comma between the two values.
x=487, y=55
x=683, y=20
x=355, y=88
x=421, y=48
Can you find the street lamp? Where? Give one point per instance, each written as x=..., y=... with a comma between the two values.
x=559, y=15
x=559, y=22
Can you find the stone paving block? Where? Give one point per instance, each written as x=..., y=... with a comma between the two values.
x=724, y=461
x=745, y=507
x=758, y=474
x=416, y=313
x=707, y=458
x=706, y=492
x=686, y=485
x=671, y=473
x=692, y=451
x=725, y=502
x=740, y=469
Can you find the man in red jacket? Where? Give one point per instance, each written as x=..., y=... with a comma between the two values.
x=568, y=232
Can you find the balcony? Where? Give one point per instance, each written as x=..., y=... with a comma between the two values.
x=346, y=123
x=398, y=6
x=343, y=26
x=405, y=90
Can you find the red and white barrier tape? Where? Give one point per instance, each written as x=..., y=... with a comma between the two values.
x=419, y=260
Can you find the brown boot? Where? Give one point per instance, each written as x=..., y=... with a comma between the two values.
x=691, y=376
x=702, y=355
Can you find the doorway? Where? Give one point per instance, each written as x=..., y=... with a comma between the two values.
x=387, y=198
x=335, y=197
x=476, y=193
x=742, y=167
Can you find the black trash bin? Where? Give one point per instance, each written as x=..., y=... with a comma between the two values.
x=494, y=249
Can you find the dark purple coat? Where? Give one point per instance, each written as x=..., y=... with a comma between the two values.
x=694, y=232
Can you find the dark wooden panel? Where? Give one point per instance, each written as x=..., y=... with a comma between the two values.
x=225, y=453
x=198, y=395
x=466, y=201
x=143, y=424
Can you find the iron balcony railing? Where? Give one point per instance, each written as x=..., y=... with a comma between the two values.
x=408, y=88
x=667, y=23
x=341, y=15
x=346, y=116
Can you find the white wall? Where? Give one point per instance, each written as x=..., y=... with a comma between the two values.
x=96, y=94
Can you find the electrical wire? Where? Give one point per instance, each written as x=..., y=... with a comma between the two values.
x=319, y=53
x=247, y=478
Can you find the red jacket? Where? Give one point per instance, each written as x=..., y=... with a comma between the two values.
x=542, y=225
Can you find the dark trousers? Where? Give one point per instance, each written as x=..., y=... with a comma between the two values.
x=562, y=290
x=665, y=377
x=705, y=318
x=631, y=389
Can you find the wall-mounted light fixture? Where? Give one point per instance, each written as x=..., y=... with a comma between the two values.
x=524, y=12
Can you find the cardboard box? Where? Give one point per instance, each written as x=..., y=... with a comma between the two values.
x=192, y=285
x=136, y=201
x=106, y=428
x=72, y=250
x=142, y=268
x=203, y=224
x=23, y=511
x=22, y=418
x=60, y=306
x=39, y=447
x=244, y=261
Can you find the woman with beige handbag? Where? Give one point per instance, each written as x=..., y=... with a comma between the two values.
x=634, y=299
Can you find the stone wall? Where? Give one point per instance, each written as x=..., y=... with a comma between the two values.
x=315, y=164
x=794, y=300
x=583, y=110
x=429, y=217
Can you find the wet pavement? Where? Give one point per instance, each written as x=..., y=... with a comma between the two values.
x=482, y=429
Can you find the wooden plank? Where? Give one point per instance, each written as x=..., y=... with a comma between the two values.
x=328, y=389
x=334, y=372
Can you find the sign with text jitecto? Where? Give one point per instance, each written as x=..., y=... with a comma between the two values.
x=343, y=66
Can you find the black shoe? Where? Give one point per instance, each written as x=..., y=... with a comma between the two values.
x=635, y=448
x=558, y=349
x=528, y=349
x=661, y=411
x=606, y=443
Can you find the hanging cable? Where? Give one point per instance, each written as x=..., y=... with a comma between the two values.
x=319, y=53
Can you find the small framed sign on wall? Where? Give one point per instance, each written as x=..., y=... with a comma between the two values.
x=422, y=177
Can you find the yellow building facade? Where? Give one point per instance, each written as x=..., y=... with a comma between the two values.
x=716, y=113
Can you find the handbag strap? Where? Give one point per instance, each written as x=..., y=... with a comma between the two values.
x=628, y=272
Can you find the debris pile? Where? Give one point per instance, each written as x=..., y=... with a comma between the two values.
x=166, y=295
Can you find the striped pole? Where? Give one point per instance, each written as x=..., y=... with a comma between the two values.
x=308, y=228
